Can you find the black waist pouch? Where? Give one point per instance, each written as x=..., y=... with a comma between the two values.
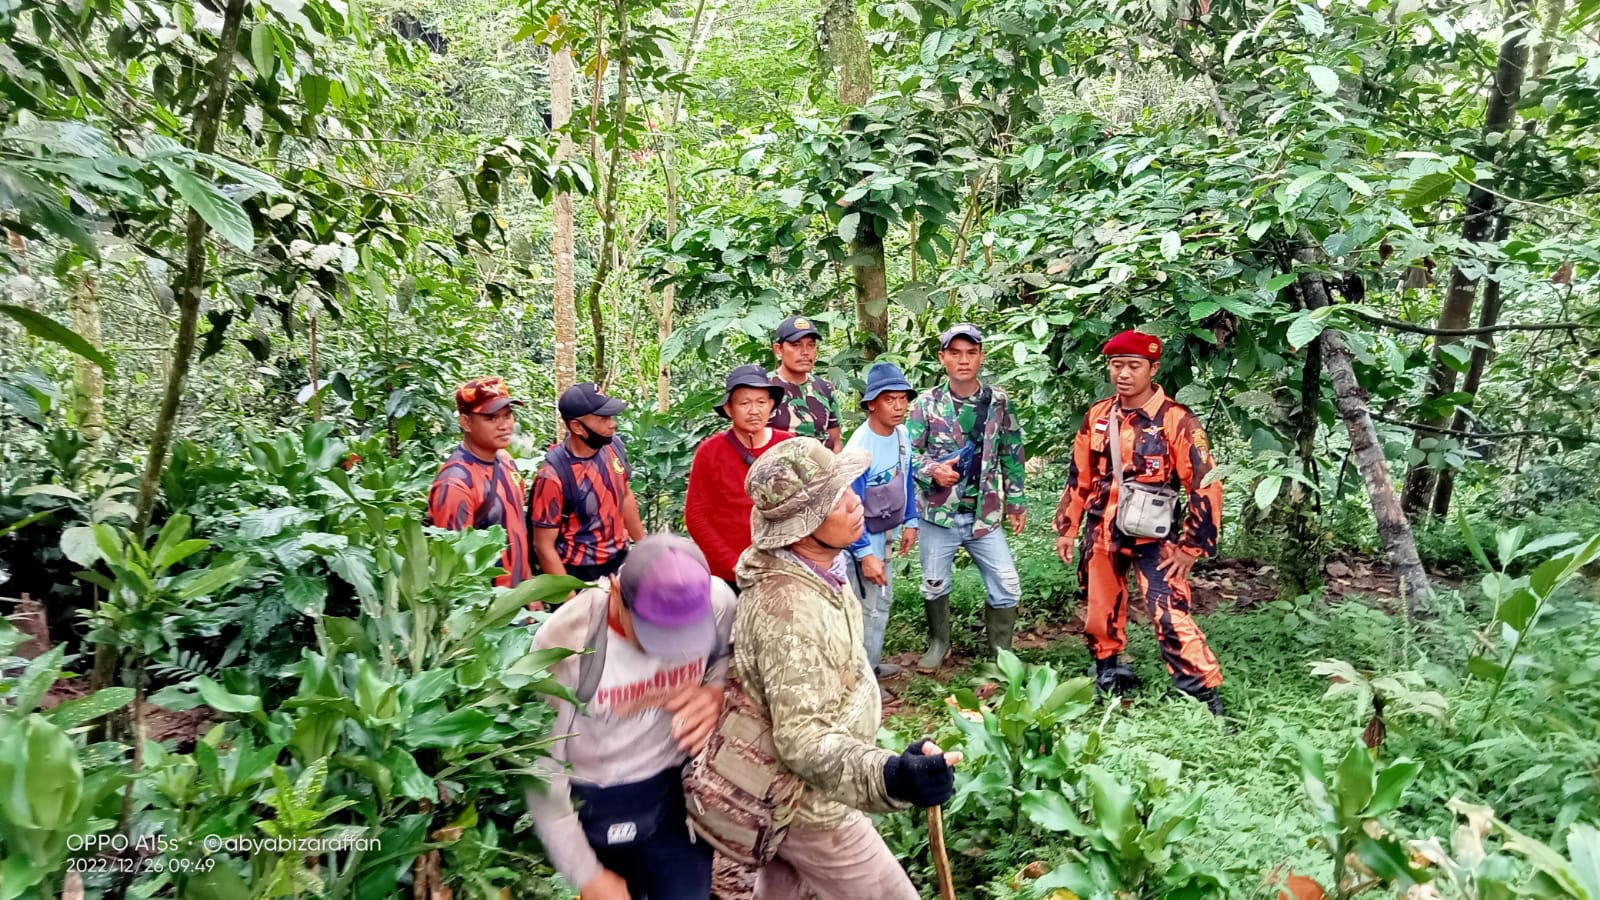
x=626, y=814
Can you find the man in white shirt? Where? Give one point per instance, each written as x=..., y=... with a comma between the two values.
x=659, y=634
x=889, y=497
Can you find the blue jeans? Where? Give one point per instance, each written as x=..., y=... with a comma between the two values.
x=875, y=603
x=991, y=553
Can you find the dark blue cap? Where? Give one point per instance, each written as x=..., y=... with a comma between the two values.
x=962, y=330
x=751, y=376
x=585, y=399
x=885, y=377
x=794, y=328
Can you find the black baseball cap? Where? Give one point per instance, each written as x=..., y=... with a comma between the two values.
x=962, y=330
x=585, y=399
x=794, y=328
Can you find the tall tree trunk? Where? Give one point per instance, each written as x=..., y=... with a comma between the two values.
x=1394, y=529
x=1539, y=66
x=844, y=54
x=89, y=383
x=669, y=177
x=192, y=284
x=846, y=57
x=1482, y=355
x=1482, y=207
x=872, y=287
x=566, y=311
x=1301, y=566
x=608, y=208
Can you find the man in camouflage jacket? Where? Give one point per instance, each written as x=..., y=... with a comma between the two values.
x=798, y=654
x=965, y=489
x=809, y=406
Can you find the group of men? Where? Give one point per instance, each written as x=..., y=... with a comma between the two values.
x=938, y=470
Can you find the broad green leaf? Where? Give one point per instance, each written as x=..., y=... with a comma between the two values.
x=210, y=580
x=1469, y=537
x=1391, y=787
x=455, y=729
x=1033, y=157
x=1267, y=490
x=1583, y=846
x=1112, y=803
x=263, y=49
x=1355, y=184
x=1326, y=80
x=221, y=699
x=1171, y=245
x=1427, y=189
x=1303, y=330
x=847, y=226
x=1388, y=859
x=306, y=593
x=1485, y=668
x=219, y=211
x=1354, y=780
x=48, y=490
x=37, y=678
x=73, y=713
x=1050, y=811
x=45, y=328
x=1549, y=542
x=1291, y=194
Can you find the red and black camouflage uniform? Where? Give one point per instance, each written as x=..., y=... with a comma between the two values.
x=1162, y=444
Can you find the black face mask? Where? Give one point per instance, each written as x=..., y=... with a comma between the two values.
x=594, y=441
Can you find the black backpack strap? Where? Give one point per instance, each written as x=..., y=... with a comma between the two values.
x=980, y=417
x=744, y=452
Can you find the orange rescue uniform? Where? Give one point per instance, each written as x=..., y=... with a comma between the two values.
x=1162, y=443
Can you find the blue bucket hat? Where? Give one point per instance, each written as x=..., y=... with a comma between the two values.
x=885, y=377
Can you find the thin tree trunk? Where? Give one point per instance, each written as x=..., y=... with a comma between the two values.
x=1394, y=529
x=669, y=173
x=844, y=54
x=89, y=383
x=1539, y=66
x=872, y=287
x=608, y=209
x=1482, y=207
x=566, y=313
x=1301, y=566
x=316, y=392
x=193, y=281
x=847, y=59
x=1482, y=355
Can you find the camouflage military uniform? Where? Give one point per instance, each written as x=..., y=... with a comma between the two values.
x=938, y=425
x=797, y=650
x=809, y=409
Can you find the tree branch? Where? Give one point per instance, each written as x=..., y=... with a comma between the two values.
x=1486, y=435
x=1410, y=328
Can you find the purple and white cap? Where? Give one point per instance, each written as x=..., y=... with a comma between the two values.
x=667, y=588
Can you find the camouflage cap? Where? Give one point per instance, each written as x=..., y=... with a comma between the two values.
x=794, y=486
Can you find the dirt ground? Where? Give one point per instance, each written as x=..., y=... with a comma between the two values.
x=1236, y=585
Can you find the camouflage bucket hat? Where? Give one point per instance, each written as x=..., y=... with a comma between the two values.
x=794, y=486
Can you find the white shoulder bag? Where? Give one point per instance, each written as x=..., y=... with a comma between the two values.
x=1143, y=510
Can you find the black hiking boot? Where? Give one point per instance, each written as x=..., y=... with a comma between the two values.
x=1113, y=678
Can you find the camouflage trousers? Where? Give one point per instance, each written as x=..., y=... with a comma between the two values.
x=847, y=862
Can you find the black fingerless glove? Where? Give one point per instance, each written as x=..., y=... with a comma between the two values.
x=919, y=780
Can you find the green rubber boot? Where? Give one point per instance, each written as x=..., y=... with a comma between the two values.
x=938, y=610
x=998, y=626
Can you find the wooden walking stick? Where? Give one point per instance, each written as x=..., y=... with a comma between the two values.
x=941, y=862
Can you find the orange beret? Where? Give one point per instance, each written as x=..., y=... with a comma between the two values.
x=1134, y=343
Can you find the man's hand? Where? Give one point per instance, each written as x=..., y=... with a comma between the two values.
x=951, y=759
x=608, y=885
x=1175, y=562
x=694, y=713
x=872, y=570
x=944, y=474
x=1018, y=520
x=1064, y=546
x=908, y=539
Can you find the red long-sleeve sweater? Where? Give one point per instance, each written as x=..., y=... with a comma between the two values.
x=717, y=510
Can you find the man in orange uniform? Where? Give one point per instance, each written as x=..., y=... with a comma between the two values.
x=478, y=486
x=1161, y=444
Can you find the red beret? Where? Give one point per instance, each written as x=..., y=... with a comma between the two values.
x=1134, y=343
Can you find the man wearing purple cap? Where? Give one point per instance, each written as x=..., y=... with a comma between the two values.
x=658, y=635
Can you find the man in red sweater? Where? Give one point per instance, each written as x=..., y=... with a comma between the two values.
x=717, y=509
